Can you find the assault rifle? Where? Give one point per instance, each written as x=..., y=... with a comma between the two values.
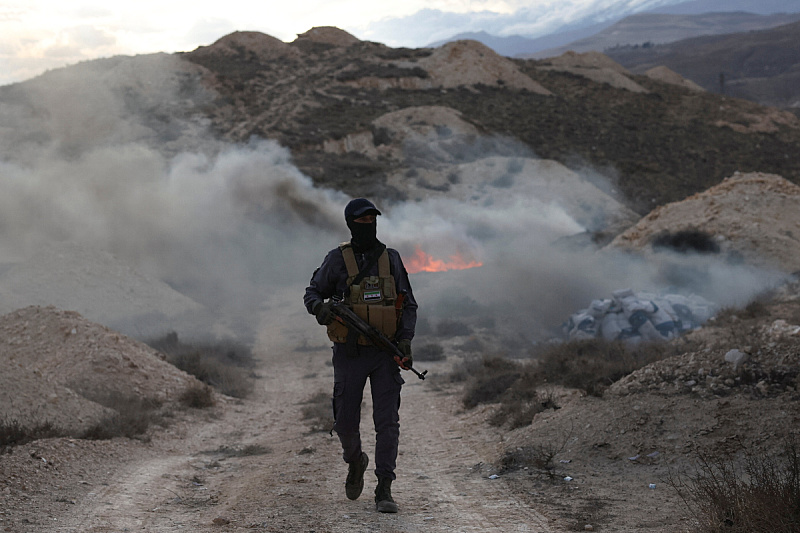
x=346, y=316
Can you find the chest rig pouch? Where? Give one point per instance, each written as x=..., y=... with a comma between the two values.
x=373, y=299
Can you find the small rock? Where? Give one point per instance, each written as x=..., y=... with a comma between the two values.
x=736, y=358
x=221, y=521
x=588, y=527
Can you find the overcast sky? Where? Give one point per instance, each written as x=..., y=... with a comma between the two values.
x=39, y=34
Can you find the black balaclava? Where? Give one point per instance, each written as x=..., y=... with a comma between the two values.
x=364, y=236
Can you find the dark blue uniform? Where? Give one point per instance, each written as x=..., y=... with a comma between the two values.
x=350, y=372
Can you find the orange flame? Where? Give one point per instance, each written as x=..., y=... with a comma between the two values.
x=422, y=262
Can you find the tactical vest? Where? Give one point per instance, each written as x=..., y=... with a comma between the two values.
x=373, y=300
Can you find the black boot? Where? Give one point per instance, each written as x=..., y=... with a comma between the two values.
x=383, y=496
x=355, y=477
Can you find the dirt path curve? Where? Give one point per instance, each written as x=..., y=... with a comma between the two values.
x=255, y=465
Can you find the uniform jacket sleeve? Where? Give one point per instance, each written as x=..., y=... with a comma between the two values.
x=408, y=322
x=328, y=280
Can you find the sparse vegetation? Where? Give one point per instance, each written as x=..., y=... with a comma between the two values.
x=249, y=450
x=518, y=387
x=131, y=417
x=429, y=352
x=592, y=365
x=521, y=406
x=223, y=365
x=686, y=241
x=318, y=412
x=198, y=396
x=14, y=433
x=452, y=328
x=760, y=495
x=536, y=458
x=391, y=70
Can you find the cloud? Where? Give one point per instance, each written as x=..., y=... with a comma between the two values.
x=208, y=30
x=528, y=20
x=426, y=26
x=68, y=52
x=86, y=36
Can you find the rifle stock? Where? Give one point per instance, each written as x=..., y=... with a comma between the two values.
x=347, y=316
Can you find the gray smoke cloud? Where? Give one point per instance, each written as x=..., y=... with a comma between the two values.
x=85, y=158
x=530, y=281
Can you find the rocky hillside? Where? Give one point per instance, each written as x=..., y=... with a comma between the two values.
x=327, y=96
x=762, y=66
x=656, y=28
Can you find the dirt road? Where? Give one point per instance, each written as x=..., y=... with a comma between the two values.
x=255, y=465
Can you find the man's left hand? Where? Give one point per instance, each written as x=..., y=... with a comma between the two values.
x=404, y=345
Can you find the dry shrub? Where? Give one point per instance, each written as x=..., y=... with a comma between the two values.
x=489, y=379
x=14, y=433
x=594, y=364
x=198, y=396
x=429, y=352
x=225, y=365
x=249, y=450
x=517, y=387
x=762, y=496
x=318, y=412
x=521, y=403
x=756, y=309
x=452, y=328
x=537, y=458
x=229, y=380
x=131, y=418
x=516, y=414
x=471, y=345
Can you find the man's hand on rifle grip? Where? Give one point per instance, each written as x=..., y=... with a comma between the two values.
x=404, y=345
x=322, y=310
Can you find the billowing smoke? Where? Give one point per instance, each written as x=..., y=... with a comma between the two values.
x=532, y=283
x=239, y=229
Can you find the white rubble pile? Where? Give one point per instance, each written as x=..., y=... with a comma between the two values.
x=634, y=317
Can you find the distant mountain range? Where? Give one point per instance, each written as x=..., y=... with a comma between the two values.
x=730, y=16
x=763, y=66
x=653, y=28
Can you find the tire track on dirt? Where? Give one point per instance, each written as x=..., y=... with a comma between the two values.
x=133, y=501
x=450, y=485
x=183, y=482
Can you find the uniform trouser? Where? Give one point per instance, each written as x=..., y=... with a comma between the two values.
x=350, y=375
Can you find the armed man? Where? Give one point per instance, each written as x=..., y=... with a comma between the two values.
x=370, y=279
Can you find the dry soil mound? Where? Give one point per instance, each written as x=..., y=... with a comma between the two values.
x=587, y=60
x=666, y=75
x=756, y=215
x=472, y=63
x=596, y=67
x=328, y=35
x=393, y=132
x=264, y=46
x=51, y=358
x=92, y=282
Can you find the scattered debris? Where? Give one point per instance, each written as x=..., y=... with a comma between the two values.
x=635, y=317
